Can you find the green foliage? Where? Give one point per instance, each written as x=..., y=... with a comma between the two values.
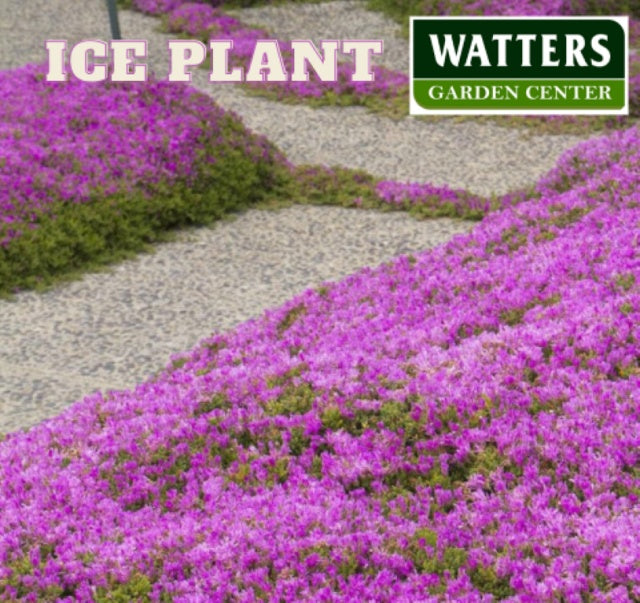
x=298, y=442
x=573, y=215
x=513, y=238
x=625, y=281
x=136, y=588
x=217, y=401
x=294, y=400
x=332, y=419
x=181, y=465
x=178, y=363
x=316, y=467
x=160, y=455
x=319, y=185
x=626, y=308
x=422, y=551
x=287, y=376
x=77, y=236
x=19, y=568
x=394, y=416
x=240, y=475
x=406, y=482
x=290, y=318
x=345, y=187
x=626, y=370
x=487, y=581
x=483, y=414
x=392, y=105
x=278, y=472
x=349, y=565
x=227, y=454
x=512, y=316
x=486, y=460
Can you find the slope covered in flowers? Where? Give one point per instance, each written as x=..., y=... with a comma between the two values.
x=86, y=169
x=463, y=423
x=89, y=172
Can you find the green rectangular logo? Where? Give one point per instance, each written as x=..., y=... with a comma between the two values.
x=517, y=65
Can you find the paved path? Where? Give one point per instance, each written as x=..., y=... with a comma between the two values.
x=113, y=329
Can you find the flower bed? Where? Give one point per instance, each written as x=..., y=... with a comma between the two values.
x=462, y=423
x=89, y=170
x=320, y=185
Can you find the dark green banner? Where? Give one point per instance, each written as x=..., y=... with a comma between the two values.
x=425, y=64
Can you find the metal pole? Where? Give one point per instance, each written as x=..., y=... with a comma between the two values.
x=113, y=20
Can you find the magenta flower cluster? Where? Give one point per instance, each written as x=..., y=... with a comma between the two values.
x=411, y=194
x=516, y=7
x=460, y=425
x=73, y=142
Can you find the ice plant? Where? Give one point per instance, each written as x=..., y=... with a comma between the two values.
x=85, y=167
x=91, y=170
x=424, y=197
x=458, y=424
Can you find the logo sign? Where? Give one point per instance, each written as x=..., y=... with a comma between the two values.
x=517, y=65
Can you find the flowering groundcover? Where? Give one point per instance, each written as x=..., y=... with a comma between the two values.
x=459, y=424
x=88, y=172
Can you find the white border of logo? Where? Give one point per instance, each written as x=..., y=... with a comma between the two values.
x=416, y=109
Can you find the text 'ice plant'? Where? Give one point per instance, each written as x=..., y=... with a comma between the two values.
x=207, y=23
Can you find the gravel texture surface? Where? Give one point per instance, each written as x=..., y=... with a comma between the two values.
x=113, y=329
